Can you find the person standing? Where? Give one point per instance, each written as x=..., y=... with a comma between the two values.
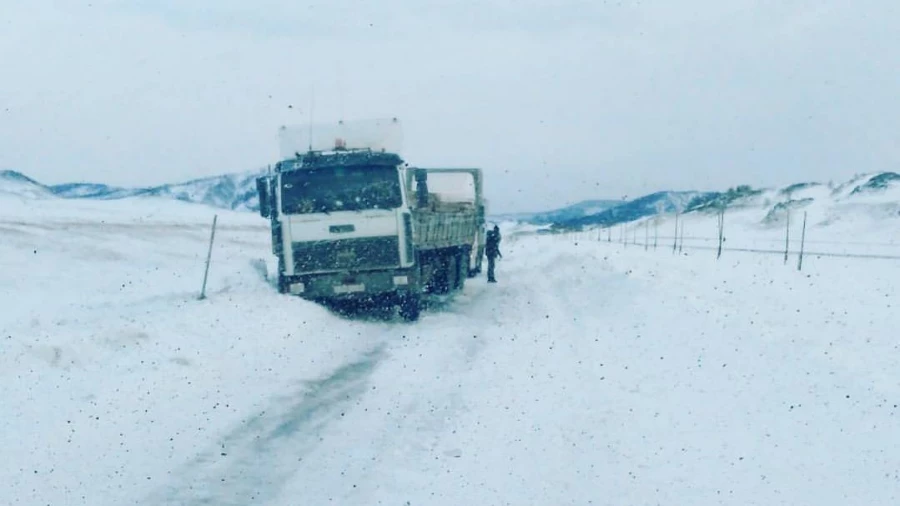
x=492, y=250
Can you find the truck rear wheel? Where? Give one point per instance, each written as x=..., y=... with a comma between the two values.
x=282, y=282
x=440, y=274
x=410, y=307
x=474, y=261
x=462, y=269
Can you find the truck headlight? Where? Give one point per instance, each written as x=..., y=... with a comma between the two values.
x=297, y=288
x=401, y=280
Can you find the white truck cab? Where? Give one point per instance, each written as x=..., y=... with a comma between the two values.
x=359, y=224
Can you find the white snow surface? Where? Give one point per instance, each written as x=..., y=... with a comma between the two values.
x=592, y=373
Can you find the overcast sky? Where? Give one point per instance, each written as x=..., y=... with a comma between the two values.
x=558, y=101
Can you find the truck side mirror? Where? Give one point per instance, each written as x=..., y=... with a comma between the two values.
x=265, y=204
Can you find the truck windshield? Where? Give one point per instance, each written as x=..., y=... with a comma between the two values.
x=332, y=189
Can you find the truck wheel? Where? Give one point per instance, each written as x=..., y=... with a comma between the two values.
x=441, y=278
x=452, y=273
x=410, y=307
x=462, y=269
x=282, y=282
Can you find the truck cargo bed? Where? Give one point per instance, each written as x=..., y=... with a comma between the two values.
x=441, y=229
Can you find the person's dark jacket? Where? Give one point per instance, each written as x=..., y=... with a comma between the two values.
x=492, y=244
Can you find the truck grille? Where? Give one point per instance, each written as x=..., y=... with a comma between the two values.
x=346, y=254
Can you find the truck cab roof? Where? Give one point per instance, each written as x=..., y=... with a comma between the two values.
x=339, y=158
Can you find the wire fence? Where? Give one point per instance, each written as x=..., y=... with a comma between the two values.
x=797, y=241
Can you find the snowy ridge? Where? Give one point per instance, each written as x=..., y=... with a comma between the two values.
x=237, y=191
x=229, y=191
x=655, y=203
x=92, y=191
x=875, y=195
x=574, y=211
x=16, y=184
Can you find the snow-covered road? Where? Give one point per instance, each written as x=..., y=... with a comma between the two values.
x=591, y=374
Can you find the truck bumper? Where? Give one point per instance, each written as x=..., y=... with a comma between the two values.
x=349, y=286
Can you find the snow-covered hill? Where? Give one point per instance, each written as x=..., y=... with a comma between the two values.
x=866, y=206
x=229, y=191
x=16, y=184
x=238, y=192
x=93, y=191
x=572, y=212
x=593, y=373
x=655, y=203
x=873, y=194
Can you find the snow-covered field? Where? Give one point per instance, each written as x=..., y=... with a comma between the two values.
x=591, y=374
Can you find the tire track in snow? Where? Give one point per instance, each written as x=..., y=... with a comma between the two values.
x=399, y=430
x=251, y=463
x=469, y=385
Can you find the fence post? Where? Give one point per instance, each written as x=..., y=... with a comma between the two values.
x=721, y=231
x=609, y=234
x=646, y=235
x=787, y=235
x=681, y=241
x=655, y=230
x=675, y=243
x=802, y=241
x=212, y=237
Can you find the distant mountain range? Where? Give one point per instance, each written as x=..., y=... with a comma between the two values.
x=572, y=212
x=238, y=192
x=655, y=203
x=881, y=191
x=228, y=191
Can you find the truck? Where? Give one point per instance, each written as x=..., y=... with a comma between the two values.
x=357, y=223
